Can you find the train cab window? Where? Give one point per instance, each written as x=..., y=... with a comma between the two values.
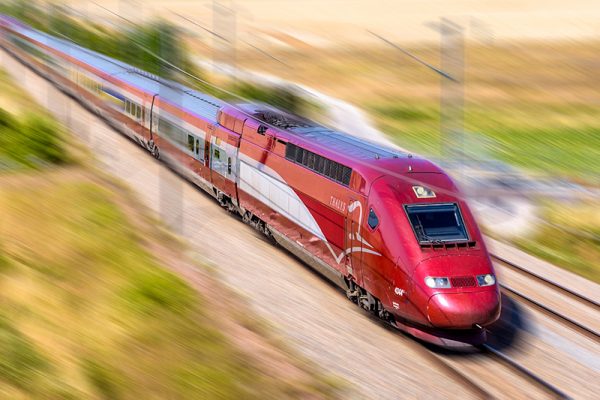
x=373, y=220
x=437, y=222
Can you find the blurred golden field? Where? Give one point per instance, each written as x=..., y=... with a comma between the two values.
x=532, y=104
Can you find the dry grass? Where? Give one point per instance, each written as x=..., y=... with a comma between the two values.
x=579, y=251
x=98, y=316
x=98, y=300
x=532, y=104
x=14, y=101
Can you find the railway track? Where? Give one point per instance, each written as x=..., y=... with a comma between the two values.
x=558, y=303
x=559, y=316
x=465, y=372
x=566, y=291
x=523, y=371
x=464, y=368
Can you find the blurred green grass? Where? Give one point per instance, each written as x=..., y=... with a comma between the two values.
x=84, y=304
x=130, y=327
x=553, y=139
x=29, y=137
x=578, y=252
x=32, y=141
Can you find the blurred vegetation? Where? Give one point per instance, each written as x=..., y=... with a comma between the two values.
x=556, y=139
x=277, y=96
x=32, y=141
x=91, y=314
x=156, y=47
x=29, y=137
x=142, y=46
x=578, y=251
x=85, y=310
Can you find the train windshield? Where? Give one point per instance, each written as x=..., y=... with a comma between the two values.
x=437, y=222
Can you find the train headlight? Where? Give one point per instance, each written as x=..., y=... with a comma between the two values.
x=423, y=192
x=437, y=282
x=486, y=280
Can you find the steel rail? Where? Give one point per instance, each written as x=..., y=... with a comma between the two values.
x=468, y=383
x=569, y=322
x=570, y=293
x=540, y=382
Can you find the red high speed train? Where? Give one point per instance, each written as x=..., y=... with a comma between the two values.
x=391, y=229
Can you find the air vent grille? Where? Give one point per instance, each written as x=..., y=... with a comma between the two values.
x=463, y=281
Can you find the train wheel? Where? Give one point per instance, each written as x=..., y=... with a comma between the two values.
x=353, y=291
x=155, y=152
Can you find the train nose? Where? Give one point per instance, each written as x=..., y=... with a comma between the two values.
x=463, y=310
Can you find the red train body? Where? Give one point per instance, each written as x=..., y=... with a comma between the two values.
x=389, y=228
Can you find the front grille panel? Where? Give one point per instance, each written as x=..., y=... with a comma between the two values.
x=463, y=281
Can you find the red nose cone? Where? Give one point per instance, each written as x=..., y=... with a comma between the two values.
x=463, y=310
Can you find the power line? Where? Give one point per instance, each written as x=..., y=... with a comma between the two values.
x=200, y=26
x=417, y=59
x=394, y=174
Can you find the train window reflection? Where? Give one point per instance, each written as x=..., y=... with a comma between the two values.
x=437, y=222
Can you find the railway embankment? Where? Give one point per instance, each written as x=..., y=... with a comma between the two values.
x=99, y=300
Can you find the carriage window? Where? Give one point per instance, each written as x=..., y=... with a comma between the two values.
x=190, y=144
x=373, y=221
x=197, y=147
x=437, y=222
x=324, y=166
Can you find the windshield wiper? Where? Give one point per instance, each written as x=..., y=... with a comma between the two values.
x=426, y=237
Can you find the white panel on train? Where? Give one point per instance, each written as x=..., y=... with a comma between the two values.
x=268, y=187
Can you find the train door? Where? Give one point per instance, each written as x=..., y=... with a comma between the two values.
x=153, y=127
x=152, y=116
x=195, y=145
x=353, y=248
x=224, y=147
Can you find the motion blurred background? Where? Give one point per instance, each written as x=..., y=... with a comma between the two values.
x=519, y=130
x=517, y=124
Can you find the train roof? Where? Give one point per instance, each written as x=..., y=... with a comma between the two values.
x=191, y=100
x=369, y=158
x=320, y=136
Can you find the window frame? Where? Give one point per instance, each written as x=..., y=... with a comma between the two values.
x=191, y=142
x=328, y=168
x=426, y=242
x=372, y=229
